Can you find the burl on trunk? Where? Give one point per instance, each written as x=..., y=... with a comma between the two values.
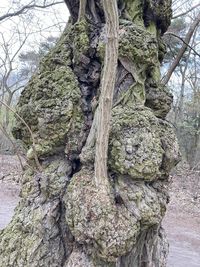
x=96, y=109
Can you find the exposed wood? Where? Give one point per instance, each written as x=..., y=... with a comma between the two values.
x=107, y=91
x=82, y=6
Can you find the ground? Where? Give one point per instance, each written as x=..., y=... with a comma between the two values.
x=182, y=221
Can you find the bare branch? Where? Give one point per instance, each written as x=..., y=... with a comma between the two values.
x=173, y=34
x=31, y=134
x=82, y=7
x=25, y=8
x=186, y=12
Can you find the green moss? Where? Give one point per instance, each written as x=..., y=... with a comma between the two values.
x=138, y=44
x=101, y=49
x=50, y=104
x=160, y=13
x=134, y=11
x=138, y=52
x=52, y=111
x=158, y=97
x=162, y=48
x=135, y=146
x=60, y=54
x=148, y=203
x=152, y=28
x=93, y=218
x=81, y=40
x=134, y=96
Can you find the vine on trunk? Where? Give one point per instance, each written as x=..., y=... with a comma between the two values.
x=107, y=92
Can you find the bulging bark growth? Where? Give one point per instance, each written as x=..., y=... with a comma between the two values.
x=72, y=213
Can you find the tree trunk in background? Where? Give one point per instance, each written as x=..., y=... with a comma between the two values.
x=7, y=115
x=63, y=218
x=182, y=50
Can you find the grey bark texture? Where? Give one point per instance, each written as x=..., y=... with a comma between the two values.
x=65, y=218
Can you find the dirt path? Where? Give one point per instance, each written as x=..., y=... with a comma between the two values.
x=8, y=201
x=183, y=234
x=9, y=190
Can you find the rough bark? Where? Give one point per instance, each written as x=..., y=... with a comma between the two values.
x=64, y=218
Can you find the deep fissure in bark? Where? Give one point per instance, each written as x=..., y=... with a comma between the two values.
x=64, y=218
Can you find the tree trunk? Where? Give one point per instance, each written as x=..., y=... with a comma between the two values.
x=64, y=218
x=7, y=115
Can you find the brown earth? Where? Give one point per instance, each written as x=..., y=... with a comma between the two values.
x=182, y=221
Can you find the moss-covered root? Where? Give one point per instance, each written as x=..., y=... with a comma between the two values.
x=38, y=234
x=108, y=230
x=95, y=221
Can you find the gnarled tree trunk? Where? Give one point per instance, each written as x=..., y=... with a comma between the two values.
x=64, y=218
